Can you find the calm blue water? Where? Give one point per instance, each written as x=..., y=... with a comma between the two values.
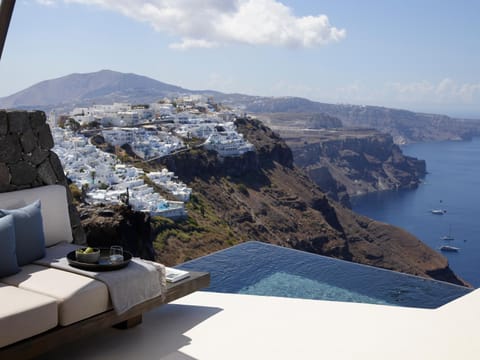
x=453, y=183
x=262, y=269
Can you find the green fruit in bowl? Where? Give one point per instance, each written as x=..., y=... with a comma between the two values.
x=87, y=255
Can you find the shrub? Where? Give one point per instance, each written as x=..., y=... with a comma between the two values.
x=242, y=189
x=76, y=193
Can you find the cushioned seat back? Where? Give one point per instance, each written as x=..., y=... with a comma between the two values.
x=55, y=216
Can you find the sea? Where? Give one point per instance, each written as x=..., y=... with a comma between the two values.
x=452, y=184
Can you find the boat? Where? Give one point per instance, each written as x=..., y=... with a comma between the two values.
x=449, y=236
x=438, y=211
x=449, y=248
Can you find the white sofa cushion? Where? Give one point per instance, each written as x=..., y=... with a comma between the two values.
x=78, y=297
x=55, y=216
x=24, y=314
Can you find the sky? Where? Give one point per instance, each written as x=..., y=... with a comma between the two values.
x=420, y=55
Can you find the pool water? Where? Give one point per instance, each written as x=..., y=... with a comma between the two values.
x=262, y=269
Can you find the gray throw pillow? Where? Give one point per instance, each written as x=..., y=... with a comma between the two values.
x=8, y=257
x=29, y=236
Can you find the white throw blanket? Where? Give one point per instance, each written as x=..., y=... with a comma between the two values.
x=141, y=280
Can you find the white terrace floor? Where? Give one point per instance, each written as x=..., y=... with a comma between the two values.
x=211, y=326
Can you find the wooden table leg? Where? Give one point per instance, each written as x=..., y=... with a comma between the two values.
x=129, y=323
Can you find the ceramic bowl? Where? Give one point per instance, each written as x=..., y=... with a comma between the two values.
x=90, y=258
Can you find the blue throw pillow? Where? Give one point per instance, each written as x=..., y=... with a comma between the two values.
x=8, y=257
x=29, y=236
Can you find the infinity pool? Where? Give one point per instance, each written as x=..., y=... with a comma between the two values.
x=262, y=269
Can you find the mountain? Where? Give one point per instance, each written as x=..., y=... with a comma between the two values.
x=106, y=87
x=102, y=87
x=403, y=125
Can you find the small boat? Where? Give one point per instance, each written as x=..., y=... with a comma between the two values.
x=449, y=248
x=438, y=211
x=449, y=236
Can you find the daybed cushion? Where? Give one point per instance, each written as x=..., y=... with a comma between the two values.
x=55, y=216
x=29, y=237
x=8, y=257
x=78, y=297
x=24, y=314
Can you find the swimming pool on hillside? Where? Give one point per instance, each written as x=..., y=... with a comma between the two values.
x=262, y=269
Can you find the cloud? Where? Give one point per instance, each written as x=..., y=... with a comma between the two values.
x=211, y=23
x=46, y=2
x=194, y=43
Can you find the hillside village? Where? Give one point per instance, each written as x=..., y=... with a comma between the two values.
x=151, y=131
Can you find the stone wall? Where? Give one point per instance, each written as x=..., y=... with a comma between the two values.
x=27, y=161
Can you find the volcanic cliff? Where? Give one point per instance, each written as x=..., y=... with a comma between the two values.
x=263, y=196
x=349, y=162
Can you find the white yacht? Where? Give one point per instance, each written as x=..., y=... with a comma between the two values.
x=449, y=248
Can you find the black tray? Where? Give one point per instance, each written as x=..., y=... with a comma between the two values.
x=103, y=263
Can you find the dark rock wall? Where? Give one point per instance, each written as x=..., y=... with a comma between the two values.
x=27, y=161
x=269, y=146
x=358, y=164
x=323, y=121
x=107, y=225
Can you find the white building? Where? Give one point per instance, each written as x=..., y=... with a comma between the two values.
x=107, y=180
x=121, y=136
x=126, y=118
x=228, y=143
x=147, y=144
x=167, y=180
